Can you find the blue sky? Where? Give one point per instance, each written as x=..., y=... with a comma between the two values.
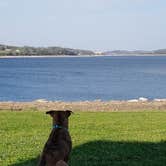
x=86, y=24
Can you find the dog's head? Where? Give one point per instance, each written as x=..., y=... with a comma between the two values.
x=59, y=115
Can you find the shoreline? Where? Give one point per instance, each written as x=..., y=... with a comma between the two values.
x=91, y=106
x=74, y=56
x=49, y=56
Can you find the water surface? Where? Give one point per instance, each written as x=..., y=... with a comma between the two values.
x=82, y=78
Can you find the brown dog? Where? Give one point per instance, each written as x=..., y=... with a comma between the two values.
x=58, y=146
x=61, y=163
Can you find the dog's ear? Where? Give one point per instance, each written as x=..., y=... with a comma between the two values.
x=51, y=112
x=68, y=113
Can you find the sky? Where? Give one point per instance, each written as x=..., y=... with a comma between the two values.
x=86, y=24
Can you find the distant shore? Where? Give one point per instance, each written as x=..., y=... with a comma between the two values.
x=97, y=105
x=14, y=51
x=49, y=56
x=74, y=56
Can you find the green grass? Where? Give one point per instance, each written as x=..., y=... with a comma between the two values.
x=99, y=139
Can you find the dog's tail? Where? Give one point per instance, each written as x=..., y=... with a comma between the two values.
x=61, y=163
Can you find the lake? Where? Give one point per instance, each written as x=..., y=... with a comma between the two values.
x=82, y=78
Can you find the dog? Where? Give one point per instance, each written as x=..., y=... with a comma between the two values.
x=61, y=163
x=58, y=146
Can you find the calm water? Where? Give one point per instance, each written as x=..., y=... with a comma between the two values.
x=82, y=78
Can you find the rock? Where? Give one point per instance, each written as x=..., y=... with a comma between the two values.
x=143, y=99
x=133, y=100
x=41, y=101
x=159, y=100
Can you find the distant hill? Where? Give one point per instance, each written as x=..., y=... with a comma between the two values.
x=136, y=52
x=161, y=51
x=6, y=50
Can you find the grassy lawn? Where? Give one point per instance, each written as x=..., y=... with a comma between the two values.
x=99, y=139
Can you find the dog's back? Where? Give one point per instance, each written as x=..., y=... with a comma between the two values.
x=57, y=147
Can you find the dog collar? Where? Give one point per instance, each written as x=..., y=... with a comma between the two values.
x=59, y=127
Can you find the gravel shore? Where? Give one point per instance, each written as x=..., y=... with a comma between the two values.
x=42, y=105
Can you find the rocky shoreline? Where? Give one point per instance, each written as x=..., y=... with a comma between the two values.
x=97, y=105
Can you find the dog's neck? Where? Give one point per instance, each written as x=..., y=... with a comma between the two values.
x=63, y=124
